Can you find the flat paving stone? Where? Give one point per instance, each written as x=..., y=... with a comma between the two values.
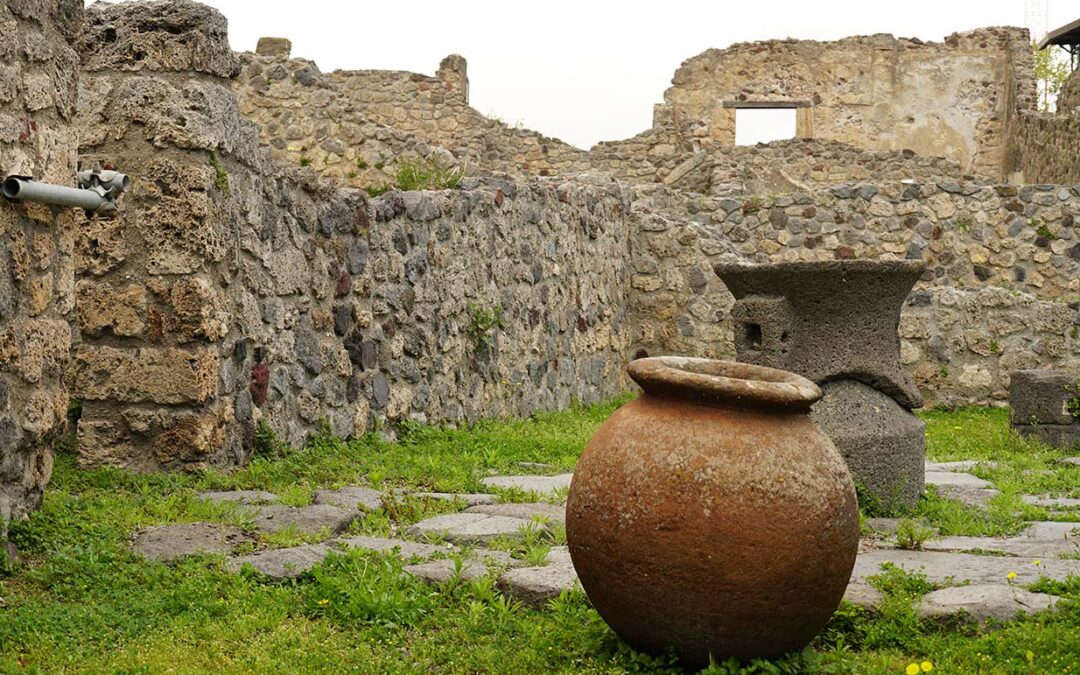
x=535, y=586
x=245, y=497
x=351, y=497
x=556, y=513
x=166, y=543
x=407, y=550
x=942, y=567
x=437, y=572
x=980, y=602
x=470, y=528
x=964, y=466
x=539, y=484
x=890, y=525
x=956, y=479
x=1075, y=461
x=283, y=563
x=470, y=499
x=535, y=466
x=1016, y=546
x=1051, y=530
x=863, y=595
x=304, y=519
x=1053, y=503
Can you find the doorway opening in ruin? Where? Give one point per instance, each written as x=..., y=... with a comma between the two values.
x=763, y=125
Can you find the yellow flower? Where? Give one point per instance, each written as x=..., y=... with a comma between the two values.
x=926, y=666
x=912, y=669
x=324, y=602
x=1036, y=562
x=1010, y=576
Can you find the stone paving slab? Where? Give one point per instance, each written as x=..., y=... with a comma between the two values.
x=435, y=572
x=1016, y=546
x=283, y=563
x=942, y=567
x=962, y=466
x=470, y=499
x=245, y=497
x=351, y=497
x=166, y=543
x=864, y=595
x=405, y=549
x=956, y=479
x=1053, y=503
x=305, y=519
x=1075, y=461
x=539, y=484
x=1052, y=530
x=470, y=528
x=981, y=602
x=556, y=513
x=536, y=585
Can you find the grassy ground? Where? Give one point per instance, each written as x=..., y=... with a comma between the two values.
x=80, y=602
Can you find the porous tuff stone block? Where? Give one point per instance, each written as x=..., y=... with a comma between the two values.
x=825, y=320
x=163, y=35
x=147, y=374
x=1039, y=402
x=1042, y=396
x=883, y=444
x=273, y=46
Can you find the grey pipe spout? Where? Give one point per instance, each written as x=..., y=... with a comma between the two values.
x=98, y=192
x=25, y=190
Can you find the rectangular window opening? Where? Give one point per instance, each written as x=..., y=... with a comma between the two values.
x=763, y=125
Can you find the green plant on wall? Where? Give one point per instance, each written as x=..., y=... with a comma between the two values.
x=1051, y=71
x=1072, y=406
x=482, y=320
x=427, y=174
x=221, y=177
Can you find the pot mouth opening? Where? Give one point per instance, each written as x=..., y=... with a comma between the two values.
x=711, y=381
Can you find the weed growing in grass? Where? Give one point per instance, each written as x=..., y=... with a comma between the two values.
x=911, y=535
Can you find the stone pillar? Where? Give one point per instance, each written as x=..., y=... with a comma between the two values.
x=453, y=72
x=151, y=311
x=38, y=79
x=835, y=322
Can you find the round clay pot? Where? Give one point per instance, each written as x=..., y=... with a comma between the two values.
x=711, y=515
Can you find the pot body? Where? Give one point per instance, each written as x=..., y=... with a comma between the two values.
x=719, y=530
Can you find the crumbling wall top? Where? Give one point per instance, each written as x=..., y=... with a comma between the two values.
x=157, y=35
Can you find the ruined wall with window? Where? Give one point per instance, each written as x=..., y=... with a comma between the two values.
x=878, y=92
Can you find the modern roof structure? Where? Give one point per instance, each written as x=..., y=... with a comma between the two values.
x=1068, y=36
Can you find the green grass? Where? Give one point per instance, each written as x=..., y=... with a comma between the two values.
x=80, y=602
x=427, y=174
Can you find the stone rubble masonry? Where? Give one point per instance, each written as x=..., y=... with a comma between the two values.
x=1046, y=404
x=877, y=91
x=38, y=73
x=999, y=293
x=232, y=291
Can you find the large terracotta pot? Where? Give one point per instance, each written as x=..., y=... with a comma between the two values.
x=711, y=514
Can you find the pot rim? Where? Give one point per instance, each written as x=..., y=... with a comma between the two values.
x=716, y=382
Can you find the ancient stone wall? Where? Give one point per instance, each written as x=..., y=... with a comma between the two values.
x=772, y=168
x=1000, y=292
x=233, y=290
x=37, y=102
x=355, y=126
x=946, y=99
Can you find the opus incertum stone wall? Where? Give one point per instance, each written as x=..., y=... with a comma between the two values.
x=37, y=102
x=232, y=290
x=1000, y=292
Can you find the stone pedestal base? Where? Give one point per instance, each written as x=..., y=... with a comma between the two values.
x=881, y=441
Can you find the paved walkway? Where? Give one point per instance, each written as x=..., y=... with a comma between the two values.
x=983, y=577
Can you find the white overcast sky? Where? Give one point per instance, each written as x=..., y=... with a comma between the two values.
x=585, y=71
